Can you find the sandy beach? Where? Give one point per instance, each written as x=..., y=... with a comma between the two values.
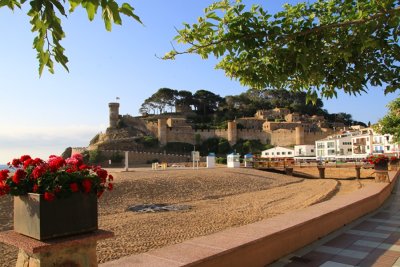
x=217, y=199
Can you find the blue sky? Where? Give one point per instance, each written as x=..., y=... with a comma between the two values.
x=42, y=116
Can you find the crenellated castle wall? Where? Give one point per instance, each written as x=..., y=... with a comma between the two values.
x=136, y=157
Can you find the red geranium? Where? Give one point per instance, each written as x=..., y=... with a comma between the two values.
x=18, y=176
x=4, y=174
x=49, y=196
x=87, y=185
x=378, y=159
x=74, y=187
x=55, y=178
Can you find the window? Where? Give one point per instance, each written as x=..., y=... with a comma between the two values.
x=278, y=153
x=331, y=152
x=283, y=153
x=331, y=144
x=289, y=153
x=272, y=153
x=312, y=150
x=267, y=153
x=349, y=150
x=320, y=145
x=299, y=151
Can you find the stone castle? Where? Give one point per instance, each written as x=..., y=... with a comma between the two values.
x=278, y=127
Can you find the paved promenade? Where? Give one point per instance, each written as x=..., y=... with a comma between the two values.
x=373, y=240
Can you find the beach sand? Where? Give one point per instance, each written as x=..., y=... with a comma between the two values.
x=219, y=198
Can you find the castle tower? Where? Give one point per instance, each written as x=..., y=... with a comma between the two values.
x=232, y=132
x=114, y=114
x=299, y=135
x=162, y=131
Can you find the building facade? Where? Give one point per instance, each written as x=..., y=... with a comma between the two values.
x=278, y=152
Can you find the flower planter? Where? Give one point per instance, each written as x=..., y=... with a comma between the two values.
x=41, y=219
x=382, y=166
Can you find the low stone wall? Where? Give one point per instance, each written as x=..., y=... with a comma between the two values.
x=136, y=157
x=264, y=242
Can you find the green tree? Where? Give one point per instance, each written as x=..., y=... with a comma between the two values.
x=324, y=46
x=390, y=123
x=223, y=146
x=161, y=100
x=46, y=23
x=206, y=102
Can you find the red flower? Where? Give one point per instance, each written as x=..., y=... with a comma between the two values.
x=102, y=173
x=84, y=167
x=74, y=187
x=16, y=163
x=100, y=193
x=56, y=163
x=18, y=175
x=110, y=177
x=87, y=185
x=35, y=188
x=24, y=157
x=39, y=171
x=4, y=188
x=28, y=163
x=110, y=186
x=4, y=174
x=48, y=196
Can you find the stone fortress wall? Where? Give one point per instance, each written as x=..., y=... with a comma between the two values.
x=137, y=157
x=277, y=127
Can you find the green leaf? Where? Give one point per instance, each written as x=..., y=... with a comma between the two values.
x=127, y=10
x=59, y=6
x=91, y=8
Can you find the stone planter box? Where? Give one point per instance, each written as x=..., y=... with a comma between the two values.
x=41, y=219
x=381, y=166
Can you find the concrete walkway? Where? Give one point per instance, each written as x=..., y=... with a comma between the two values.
x=373, y=240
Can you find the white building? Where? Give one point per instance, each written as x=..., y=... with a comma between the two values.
x=304, y=152
x=367, y=142
x=278, y=152
x=355, y=145
x=338, y=146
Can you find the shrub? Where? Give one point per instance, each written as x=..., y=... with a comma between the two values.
x=221, y=160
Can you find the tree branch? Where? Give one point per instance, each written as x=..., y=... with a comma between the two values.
x=287, y=37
